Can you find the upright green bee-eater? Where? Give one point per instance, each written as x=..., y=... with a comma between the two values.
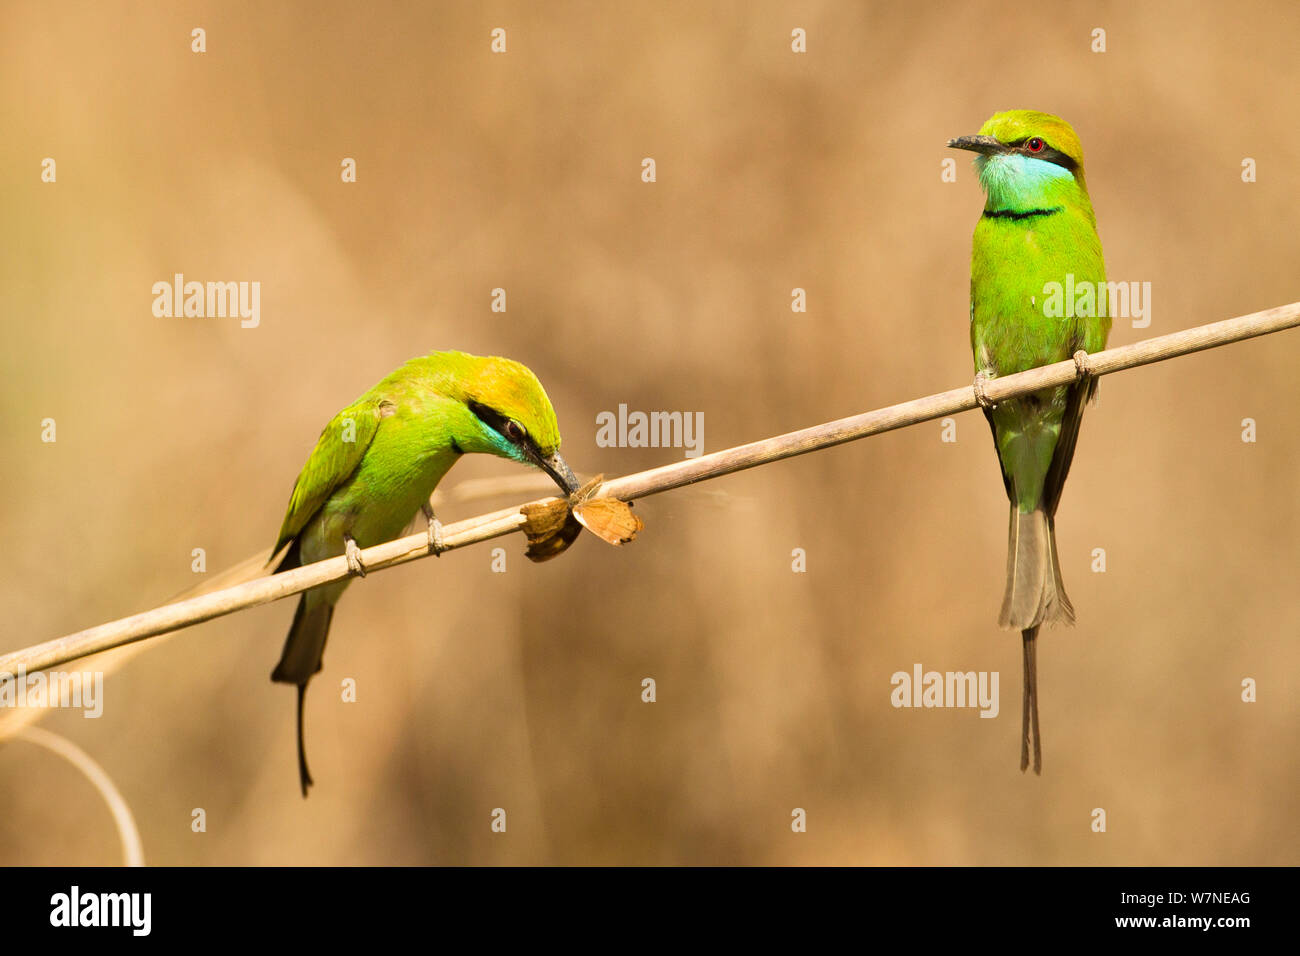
x=1037, y=229
x=378, y=461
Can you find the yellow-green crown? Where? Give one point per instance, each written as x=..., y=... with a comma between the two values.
x=1013, y=126
x=505, y=386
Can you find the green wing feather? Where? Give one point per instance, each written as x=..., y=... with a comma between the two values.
x=337, y=454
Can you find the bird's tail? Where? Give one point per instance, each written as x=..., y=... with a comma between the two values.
x=1029, y=713
x=303, y=651
x=1035, y=596
x=1035, y=593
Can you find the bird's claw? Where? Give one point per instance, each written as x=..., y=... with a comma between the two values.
x=1081, y=364
x=436, y=545
x=982, y=379
x=353, y=553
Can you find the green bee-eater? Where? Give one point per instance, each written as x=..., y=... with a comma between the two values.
x=1038, y=228
x=378, y=461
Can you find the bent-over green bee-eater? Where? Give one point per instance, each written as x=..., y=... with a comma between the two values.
x=1037, y=228
x=378, y=461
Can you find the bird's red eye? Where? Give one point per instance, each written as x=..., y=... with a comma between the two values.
x=514, y=431
x=1035, y=145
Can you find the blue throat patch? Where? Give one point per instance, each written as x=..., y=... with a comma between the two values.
x=1016, y=185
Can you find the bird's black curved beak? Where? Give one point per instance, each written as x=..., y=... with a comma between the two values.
x=558, y=469
x=978, y=144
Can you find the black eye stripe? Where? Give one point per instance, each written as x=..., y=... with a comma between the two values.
x=496, y=421
x=1047, y=152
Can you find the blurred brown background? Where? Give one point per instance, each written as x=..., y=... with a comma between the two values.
x=775, y=170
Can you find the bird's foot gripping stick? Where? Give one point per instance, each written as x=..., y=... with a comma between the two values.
x=1081, y=364
x=436, y=546
x=981, y=379
x=353, y=553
